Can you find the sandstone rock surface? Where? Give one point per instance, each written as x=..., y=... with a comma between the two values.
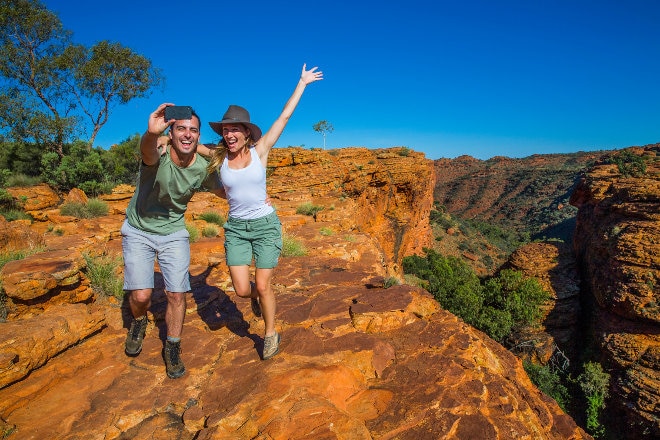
x=357, y=360
x=617, y=242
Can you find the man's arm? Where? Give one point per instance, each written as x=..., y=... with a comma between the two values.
x=149, y=141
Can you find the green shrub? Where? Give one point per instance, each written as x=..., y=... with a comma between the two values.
x=499, y=306
x=15, y=214
x=209, y=231
x=92, y=209
x=325, y=231
x=103, y=274
x=391, y=281
x=594, y=383
x=309, y=209
x=629, y=164
x=212, y=217
x=193, y=232
x=20, y=179
x=548, y=381
x=292, y=247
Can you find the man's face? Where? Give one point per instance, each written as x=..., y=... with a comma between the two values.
x=185, y=135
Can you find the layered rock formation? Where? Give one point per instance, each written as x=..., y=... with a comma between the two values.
x=357, y=361
x=617, y=243
x=555, y=341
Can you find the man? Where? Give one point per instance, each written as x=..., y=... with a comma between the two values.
x=155, y=228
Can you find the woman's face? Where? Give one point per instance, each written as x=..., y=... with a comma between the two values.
x=235, y=136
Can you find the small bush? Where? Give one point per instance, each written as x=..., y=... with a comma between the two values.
x=391, y=281
x=20, y=179
x=629, y=164
x=309, y=209
x=15, y=214
x=103, y=274
x=548, y=381
x=292, y=247
x=325, y=231
x=92, y=209
x=209, y=231
x=594, y=383
x=212, y=217
x=193, y=232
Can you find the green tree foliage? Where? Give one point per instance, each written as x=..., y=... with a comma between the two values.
x=20, y=158
x=323, y=127
x=594, y=383
x=629, y=164
x=79, y=167
x=105, y=75
x=497, y=306
x=548, y=381
x=34, y=103
x=122, y=161
x=51, y=85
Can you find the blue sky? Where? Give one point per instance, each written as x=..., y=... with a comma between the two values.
x=446, y=78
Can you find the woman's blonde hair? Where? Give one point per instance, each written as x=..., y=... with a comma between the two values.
x=220, y=152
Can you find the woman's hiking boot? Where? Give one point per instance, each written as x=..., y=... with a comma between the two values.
x=135, y=336
x=173, y=363
x=271, y=346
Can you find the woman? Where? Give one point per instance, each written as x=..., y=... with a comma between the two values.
x=253, y=228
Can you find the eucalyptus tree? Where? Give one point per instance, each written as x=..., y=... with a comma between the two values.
x=323, y=127
x=50, y=86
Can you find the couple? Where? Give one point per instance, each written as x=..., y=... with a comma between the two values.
x=155, y=227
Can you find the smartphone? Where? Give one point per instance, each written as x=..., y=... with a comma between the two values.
x=178, y=112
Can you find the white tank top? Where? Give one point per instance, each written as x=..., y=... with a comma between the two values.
x=246, y=189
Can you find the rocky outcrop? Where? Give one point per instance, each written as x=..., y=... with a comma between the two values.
x=555, y=341
x=391, y=191
x=357, y=360
x=617, y=243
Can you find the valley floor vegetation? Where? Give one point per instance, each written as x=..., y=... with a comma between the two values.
x=502, y=305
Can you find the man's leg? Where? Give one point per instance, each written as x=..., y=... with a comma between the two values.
x=174, y=262
x=175, y=314
x=139, y=255
x=139, y=302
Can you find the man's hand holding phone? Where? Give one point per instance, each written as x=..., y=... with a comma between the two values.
x=178, y=112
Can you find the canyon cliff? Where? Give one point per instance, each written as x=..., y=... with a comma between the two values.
x=617, y=245
x=359, y=359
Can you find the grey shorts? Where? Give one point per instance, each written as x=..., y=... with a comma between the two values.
x=260, y=238
x=141, y=249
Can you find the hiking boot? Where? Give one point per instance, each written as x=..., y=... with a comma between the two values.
x=173, y=363
x=135, y=336
x=271, y=346
x=256, y=307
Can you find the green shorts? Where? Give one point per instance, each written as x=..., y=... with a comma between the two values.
x=260, y=238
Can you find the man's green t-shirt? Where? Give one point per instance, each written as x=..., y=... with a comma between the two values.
x=163, y=191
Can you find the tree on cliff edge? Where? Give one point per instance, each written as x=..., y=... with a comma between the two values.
x=49, y=84
x=323, y=127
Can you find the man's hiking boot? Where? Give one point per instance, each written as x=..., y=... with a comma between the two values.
x=271, y=346
x=135, y=336
x=173, y=363
x=256, y=307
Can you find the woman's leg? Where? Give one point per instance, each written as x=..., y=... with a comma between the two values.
x=240, y=278
x=266, y=298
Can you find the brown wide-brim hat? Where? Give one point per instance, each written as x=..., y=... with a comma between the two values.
x=237, y=115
